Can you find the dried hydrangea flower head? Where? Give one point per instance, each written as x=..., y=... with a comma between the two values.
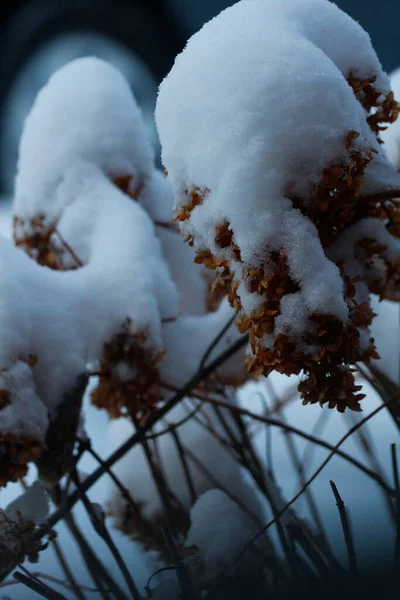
x=23, y=422
x=98, y=208
x=73, y=212
x=17, y=541
x=70, y=124
x=269, y=122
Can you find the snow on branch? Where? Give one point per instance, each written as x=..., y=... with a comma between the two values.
x=270, y=123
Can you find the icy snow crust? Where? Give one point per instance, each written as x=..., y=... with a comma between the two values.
x=254, y=109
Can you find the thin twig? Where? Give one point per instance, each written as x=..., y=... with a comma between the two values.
x=185, y=467
x=366, y=445
x=160, y=570
x=124, y=491
x=397, y=488
x=317, y=472
x=173, y=426
x=52, y=578
x=385, y=387
x=104, y=534
x=268, y=437
x=309, y=437
x=311, y=447
x=298, y=466
x=38, y=587
x=167, y=225
x=96, y=569
x=165, y=494
x=218, y=337
x=67, y=570
x=180, y=569
x=381, y=196
x=348, y=538
x=310, y=550
x=139, y=435
x=67, y=247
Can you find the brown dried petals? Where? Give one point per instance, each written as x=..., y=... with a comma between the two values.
x=138, y=392
x=195, y=197
x=17, y=541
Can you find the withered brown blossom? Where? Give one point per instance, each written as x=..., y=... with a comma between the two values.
x=336, y=204
x=34, y=237
x=129, y=381
x=17, y=541
x=386, y=109
x=147, y=531
x=274, y=201
x=16, y=452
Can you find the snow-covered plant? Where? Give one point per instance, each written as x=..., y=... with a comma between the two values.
x=270, y=124
x=111, y=292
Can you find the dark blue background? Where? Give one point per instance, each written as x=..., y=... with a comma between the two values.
x=381, y=18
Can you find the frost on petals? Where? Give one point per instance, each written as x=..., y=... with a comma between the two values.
x=270, y=175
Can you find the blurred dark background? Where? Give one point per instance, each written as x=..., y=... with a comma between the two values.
x=141, y=37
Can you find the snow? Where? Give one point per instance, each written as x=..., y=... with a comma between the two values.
x=99, y=213
x=32, y=505
x=192, y=280
x=221, y=529
x=345, y=248
x=24, y=414
x=246, y=149
x=189, y=338
x=217, y=460
x=132, y=268
x=385, y=330
x=85, y=113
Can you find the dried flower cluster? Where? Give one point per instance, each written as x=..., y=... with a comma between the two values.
x=336, y=205
x=17, y=541
x=102, y=282
x=147, y=532
x=297, y=239
x=385, y=107
x=129, y=382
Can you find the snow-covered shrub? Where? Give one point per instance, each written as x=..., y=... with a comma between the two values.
x=269, y=122
x=112, y=290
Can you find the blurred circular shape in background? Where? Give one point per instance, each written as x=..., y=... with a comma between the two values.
x=40, y=37
x=53, y=55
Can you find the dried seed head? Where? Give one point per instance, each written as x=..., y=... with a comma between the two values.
x=129, y=381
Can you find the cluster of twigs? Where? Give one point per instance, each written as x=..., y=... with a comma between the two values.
x=304, y=556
